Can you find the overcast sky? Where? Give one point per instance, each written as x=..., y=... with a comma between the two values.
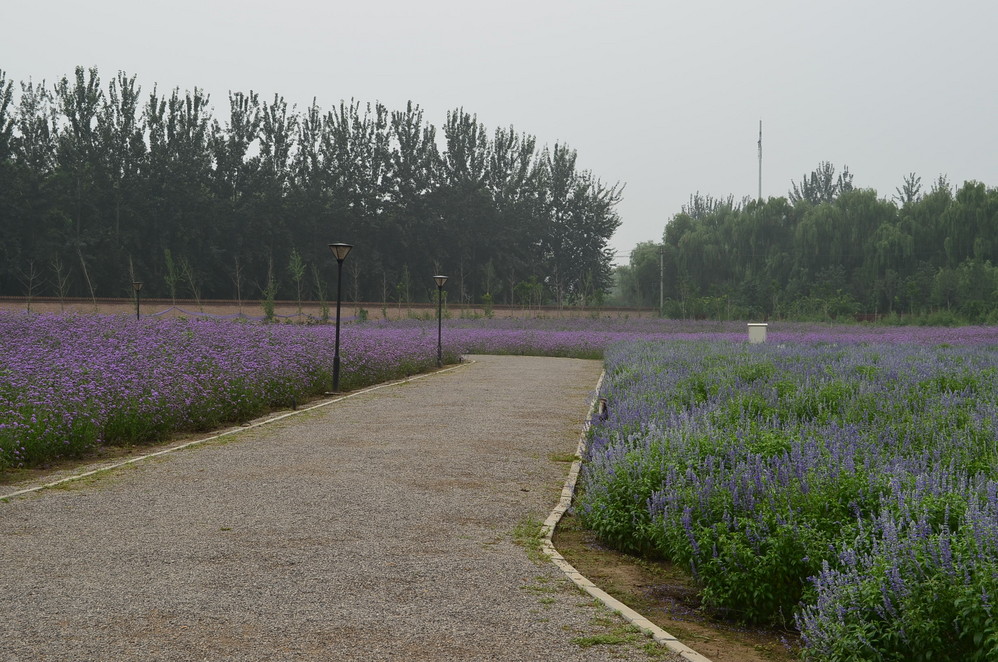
x=662, y=96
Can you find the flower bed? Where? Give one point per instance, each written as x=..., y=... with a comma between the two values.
x=589, y=336
x=70, y=383
x=849, y=490
x=838, y=479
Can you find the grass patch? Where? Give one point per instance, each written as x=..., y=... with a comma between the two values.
x=527, y=534
x=606, y=639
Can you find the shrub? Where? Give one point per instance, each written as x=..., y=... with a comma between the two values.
x=852, y=492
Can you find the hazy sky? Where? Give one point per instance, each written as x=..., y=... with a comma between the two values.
x=665, y=97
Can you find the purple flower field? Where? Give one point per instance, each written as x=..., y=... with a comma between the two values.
x=839, y=480
x=588, y=337
x=68, y=384
x=848, y=490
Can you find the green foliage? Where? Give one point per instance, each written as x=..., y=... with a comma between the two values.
x=528, y=534
x=712, y=475
x=758, y=582
x=129, y=173
x=528, y=293
x=296, y=269
x=941, y=619
x=172, y=276
x=269, y=292
x=320, y=289
x=830, y=251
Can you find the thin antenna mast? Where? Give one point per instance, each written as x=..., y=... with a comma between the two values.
x=760, y=160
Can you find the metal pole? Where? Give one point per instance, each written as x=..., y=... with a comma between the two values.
x=440, y=308
x=336, y=347
x=661, y=281
x=760, y=160
x=138, y=295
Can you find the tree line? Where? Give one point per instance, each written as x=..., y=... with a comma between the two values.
x=101, y=186
x=826, y=250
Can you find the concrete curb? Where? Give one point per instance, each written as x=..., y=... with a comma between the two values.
x=547, y=531
x=225, y=433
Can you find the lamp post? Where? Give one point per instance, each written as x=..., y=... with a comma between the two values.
x=440, y=309
x=340, y=252
x=137, y=286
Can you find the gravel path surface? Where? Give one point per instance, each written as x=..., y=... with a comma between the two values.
x=379, y=527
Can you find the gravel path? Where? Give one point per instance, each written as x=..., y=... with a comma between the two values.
x=379, y=527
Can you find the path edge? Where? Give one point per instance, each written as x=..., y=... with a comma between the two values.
x=547, y=546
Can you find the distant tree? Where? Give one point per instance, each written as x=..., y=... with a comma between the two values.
x=172, y=276
x=234, y=171
x=578, y=217
x=320, y=291
x=821, y=185
x=190, y=274
x=467, y=224
x=121, y=147
x=268, y=292
x=76, y=188
x=910, y=191
x=297, y=268
x=8, y=173
x=112, y=173
x=6, y=118
x=641, y=280
x=701, y=207
x=61, y=279
x=237, y=280
x=413, y=186
x=30, y=281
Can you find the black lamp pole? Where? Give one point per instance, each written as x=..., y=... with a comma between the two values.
x=440, y=307
x=137, y=286
x=340, y=252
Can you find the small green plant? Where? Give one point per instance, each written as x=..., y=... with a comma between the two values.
x=172, y=277
x=617, y=633
x=320, y=289
x=297, y=268
x=527, y=534
x=269, y=292
x=605, y=639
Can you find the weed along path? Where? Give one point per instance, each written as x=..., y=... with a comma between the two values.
x=397, y=524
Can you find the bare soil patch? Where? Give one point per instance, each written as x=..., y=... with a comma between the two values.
x=667, y=596
x=308, y=310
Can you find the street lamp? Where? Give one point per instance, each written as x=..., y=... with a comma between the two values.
x=137, y=286
x=340, y=252
x=440, y=308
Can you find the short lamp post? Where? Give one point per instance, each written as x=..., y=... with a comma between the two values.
x=137, y=286
x=340, y=252
x=440, y=314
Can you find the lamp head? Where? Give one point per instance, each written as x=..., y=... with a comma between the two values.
x=340, y=250
x=440, y=280
x=137, y=285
